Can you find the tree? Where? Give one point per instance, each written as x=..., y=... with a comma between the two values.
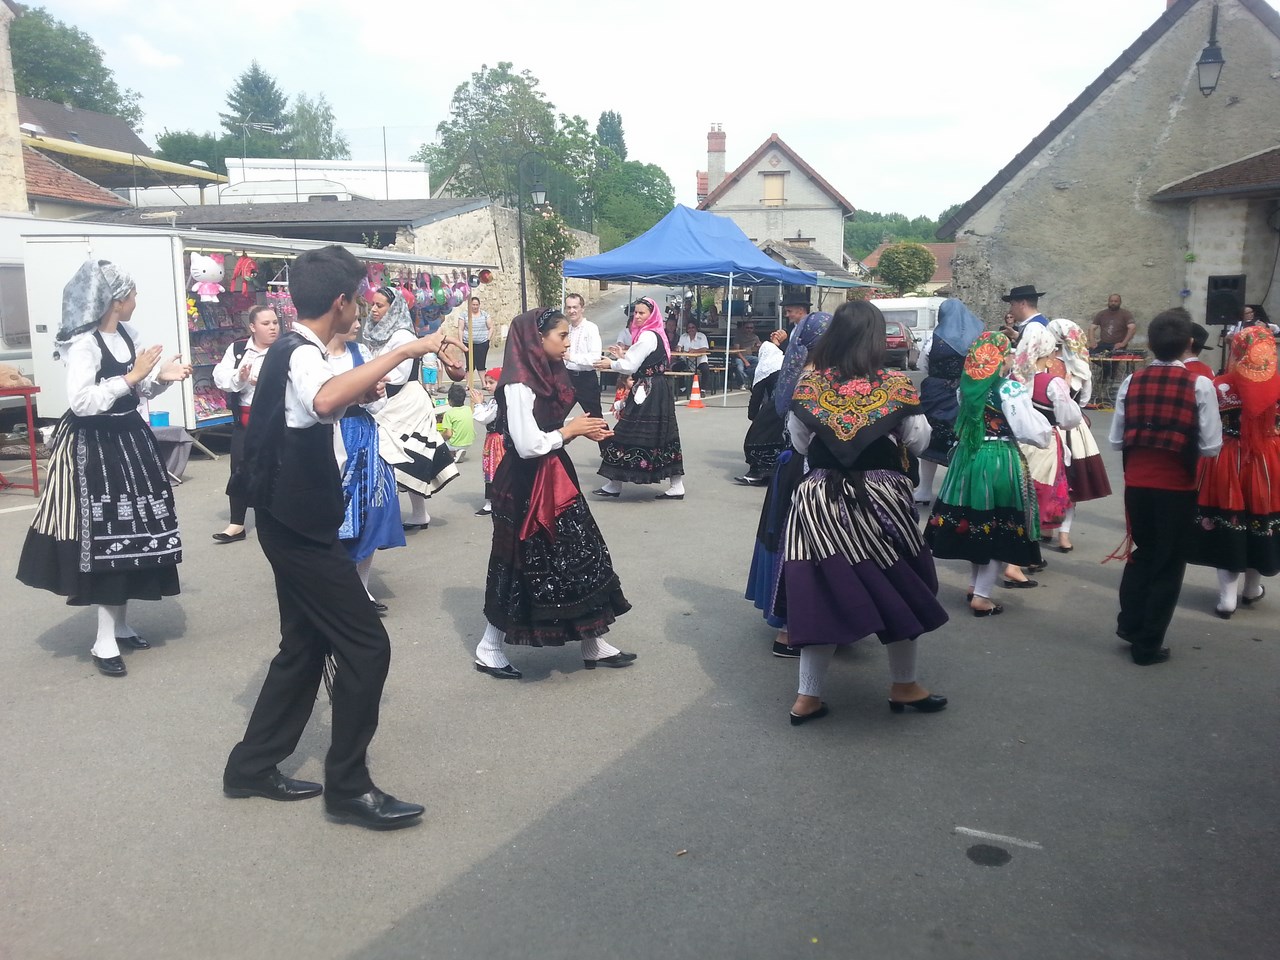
x=630, y=198
x=946, y=215
x=255, y=99
x=183, y=146
x=54, y=61
x=311, y=131
x=906, y=266
x=609, y=133
x=866, y=230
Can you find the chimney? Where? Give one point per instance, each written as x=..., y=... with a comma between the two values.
x=715, y=157
x=13, y=176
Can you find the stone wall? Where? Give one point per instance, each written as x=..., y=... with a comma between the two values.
x=1078, y=220
x=13, y=178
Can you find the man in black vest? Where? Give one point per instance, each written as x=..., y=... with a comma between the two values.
x=290, y=477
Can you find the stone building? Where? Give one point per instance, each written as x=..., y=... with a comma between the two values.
x=1091, y=206
x=13, y=183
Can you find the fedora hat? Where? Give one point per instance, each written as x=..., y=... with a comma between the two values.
x=1024, y=292
x=796, y=300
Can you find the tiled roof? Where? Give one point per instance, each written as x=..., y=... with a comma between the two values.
x=1258, y=173
x=942, y=252
x=806, y=258
x=230, y=216
x=47, y=180
x=749, y=164
x=81, y=126
x=1259, y=8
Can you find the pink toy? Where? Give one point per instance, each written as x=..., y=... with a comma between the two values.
x=206, y=276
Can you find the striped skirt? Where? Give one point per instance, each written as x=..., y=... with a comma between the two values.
x=105, y=530
x=854, y=562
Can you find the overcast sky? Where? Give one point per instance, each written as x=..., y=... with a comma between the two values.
x=909, y=105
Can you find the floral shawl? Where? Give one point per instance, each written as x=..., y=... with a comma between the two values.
x=848, y=415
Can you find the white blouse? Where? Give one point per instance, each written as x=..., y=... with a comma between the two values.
x=84, y=360
x=529, y=439
x=1065, y=410
x=226, y=375
x=402, y=370
x=485, y=412
x=631, y=361
x=1028, y=424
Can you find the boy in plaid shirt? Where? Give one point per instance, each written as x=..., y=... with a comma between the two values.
x=1166, y=419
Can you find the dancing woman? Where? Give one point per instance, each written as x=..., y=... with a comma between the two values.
x=1237, y=526
x=645, y=446
x=105, y=530
x=942, y=361
x=986, y=509
x=766, y=437
x=550, y=577
x=854, y=560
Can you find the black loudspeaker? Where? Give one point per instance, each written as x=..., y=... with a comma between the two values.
x=1224, y=303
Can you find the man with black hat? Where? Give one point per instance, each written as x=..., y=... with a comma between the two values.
x=1023, y=304
x=795, y=307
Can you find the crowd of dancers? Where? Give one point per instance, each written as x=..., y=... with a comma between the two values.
x=847, y=450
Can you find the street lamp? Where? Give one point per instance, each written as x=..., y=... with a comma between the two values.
x=538, y=194
x=1209, y=66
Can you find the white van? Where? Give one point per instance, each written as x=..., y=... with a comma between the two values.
x=920, y=314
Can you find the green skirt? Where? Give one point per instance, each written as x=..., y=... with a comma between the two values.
x=986, y=509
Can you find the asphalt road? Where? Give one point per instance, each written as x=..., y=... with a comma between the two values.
x=663, y=811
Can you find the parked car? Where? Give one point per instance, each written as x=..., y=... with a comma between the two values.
x=918, y=313
x=903, y=351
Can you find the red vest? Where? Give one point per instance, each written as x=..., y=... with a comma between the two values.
x=1160, y=411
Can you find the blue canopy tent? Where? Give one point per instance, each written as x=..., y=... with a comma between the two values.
x=690, y=247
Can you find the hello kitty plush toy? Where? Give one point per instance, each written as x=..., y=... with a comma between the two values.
x=206, y=277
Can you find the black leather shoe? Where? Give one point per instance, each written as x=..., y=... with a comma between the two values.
x=133, y=643
x=784, y=651
x=1250, y=601
x=1037, y=567
x=109, y=666
x=602, y=492
x=669, y=496
x=799, y=718
x=1147, y=659
x=375, y=809
x=484, y=511
x=619, y=659
x=500, y=673
x=930, y=704
x=750, y=481
x=410, y=527
x=379, y=606
x=1021, y=584
x=230, y=537
x=273, y=786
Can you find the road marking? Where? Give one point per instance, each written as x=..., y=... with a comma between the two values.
x=16, y=509
x=970, y=832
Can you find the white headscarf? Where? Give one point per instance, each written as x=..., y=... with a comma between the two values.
x=1074, y=350
x=87, y=297
x=770, y=361
x=1035, y=344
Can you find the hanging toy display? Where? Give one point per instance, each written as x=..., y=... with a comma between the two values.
x=206, y=276
x=486, y=276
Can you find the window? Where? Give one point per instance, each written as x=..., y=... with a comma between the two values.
x=773, y=189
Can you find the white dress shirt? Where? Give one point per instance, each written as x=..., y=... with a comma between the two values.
x=698, y=342
x=585, y=347
x=1210, y=434
x=226, y=375
x=84, y=359
x=529, y=439
x=309, y=370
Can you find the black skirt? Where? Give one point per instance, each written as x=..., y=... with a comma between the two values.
x=105, y=530
x=545, y=591
x=645, y=446
x=765, y=437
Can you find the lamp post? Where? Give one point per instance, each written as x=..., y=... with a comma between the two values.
x=1209, y=66
x=538, y=194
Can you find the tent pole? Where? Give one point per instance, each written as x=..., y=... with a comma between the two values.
x=728, y=326
x=779, y=306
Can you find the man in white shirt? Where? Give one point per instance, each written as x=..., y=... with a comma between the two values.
x=1024, y=305
x=585, y=348
x=694, y=341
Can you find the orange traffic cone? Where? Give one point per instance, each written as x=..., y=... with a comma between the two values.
x=695, y=396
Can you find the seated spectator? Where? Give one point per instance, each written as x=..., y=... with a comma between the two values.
x=694, y=341
x=742, y=367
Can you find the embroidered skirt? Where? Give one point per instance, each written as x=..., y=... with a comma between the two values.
x=765, y=439
x=544, y=591
x=855, y=563
x=105, y=530
x=1238, y=510
x=1086, y=473
x=645, y=446
x=371, y=520
x=986, y=509
x=1047, y=469
x=766, y=558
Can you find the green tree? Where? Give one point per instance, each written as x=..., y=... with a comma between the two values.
x=54, y=61
x=258, y=116
x=866, y=230
x=946, y=215
x=609, y=133
x=630, y=198
x=311, y=131
x=183, y=146
x=906, y=266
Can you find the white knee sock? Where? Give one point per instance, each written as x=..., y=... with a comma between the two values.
x=109, y=619
x=814, y=661
x=490, y=651
x=675, y=487
x=902, y=661
x=984, y=579
x=1252, y=584
x=598, y=649
x=418, y=506
x=1065, y=527
x=924, y=492
x=363, y=568
x=613, y=486
x=1228, y=587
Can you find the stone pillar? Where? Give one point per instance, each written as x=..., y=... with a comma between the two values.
x=13, y=178
x=715, y=157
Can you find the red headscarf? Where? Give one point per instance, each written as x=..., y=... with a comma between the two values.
x=525, y=362
x=1252, y=377
x=654, y=323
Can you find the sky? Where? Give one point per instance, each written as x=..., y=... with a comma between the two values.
x=906, y=106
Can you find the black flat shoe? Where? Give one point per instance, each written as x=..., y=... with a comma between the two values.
x=1036, y=567
x=669, y=496
x=230, y=537
x=499, y=673
x=1222, y=614
x=602, y=492
x=109, y=666
x=375, y=809
x=379, y=606
x=784, y=651
x=1021, y=584
x=798, y=718
x=1250, y=601
x=410, y=527
x=989, y=612
x=484, y=511
x=619, y=659
x=930, y=704
x=752, y=481
x=1062, y=549
x=133, y=643
x=1147, y=659
x=272, y=786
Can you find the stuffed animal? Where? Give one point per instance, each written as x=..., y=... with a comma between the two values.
x=244, y=274
x=206, y=276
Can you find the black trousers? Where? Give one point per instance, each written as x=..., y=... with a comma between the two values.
x=239, y=507
x=481, y=351
x=323, y=607
x=1160, y=522
x=586, y=387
